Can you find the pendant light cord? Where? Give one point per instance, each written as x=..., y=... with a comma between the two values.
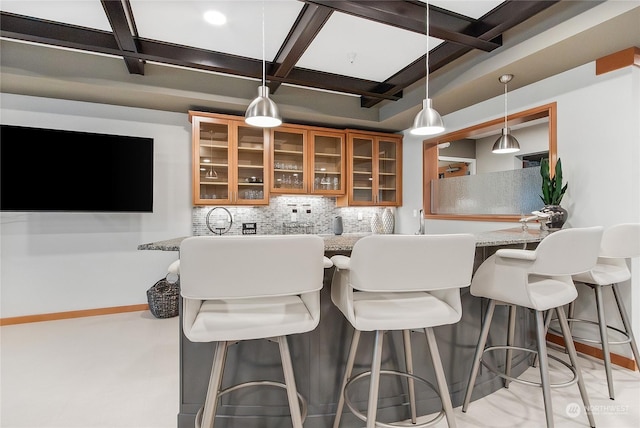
x=505, y=104
x=264, y=66
x=427, y=54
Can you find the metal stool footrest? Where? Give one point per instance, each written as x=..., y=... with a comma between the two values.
x=362, y=417
x=586, y=339
x=524, y=381
x=303, y=402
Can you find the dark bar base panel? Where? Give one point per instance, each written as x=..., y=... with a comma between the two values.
x=319, y=358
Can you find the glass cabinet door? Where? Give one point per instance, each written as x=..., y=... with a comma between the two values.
x=375, y=170
x=288, y=160
x=229, y=162
x=327, y=163
x=250, y=160
x=361, y=170
x=387, y=172
x=211, y=161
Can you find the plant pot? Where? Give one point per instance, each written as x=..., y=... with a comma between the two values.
x=558, y=217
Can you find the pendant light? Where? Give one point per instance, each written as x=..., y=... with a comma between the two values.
x=507, y=143
x=262, y=111
x=428, y=120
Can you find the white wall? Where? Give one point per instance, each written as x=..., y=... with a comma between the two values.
x=599, y=144
x=56, y=262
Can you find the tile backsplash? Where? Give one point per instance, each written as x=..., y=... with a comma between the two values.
x=314, y=215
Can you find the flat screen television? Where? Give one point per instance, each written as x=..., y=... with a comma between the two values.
x=58, y=170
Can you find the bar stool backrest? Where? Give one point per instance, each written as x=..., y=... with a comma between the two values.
x=567, y=251
x=382, y=263
x=233, y=267
x=621, y=241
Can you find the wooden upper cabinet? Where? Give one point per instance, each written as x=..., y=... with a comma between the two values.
x=238, y=164
x=307, y=160
x=230, y=161
x=375, y=169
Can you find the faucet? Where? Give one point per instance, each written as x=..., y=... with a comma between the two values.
x=420, y=223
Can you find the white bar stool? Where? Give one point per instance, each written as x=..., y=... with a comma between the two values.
x=539, y=280
x=401, y=282
x=225, y=301
x=619, y=243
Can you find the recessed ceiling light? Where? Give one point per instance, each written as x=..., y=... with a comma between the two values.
x=214, y=17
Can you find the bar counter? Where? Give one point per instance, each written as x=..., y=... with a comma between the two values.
x=319, y=356
x=345, y=242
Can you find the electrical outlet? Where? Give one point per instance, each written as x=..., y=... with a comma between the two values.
x=360, y=216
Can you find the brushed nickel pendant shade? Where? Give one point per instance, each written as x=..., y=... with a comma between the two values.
x=263, y=112
x=506, y=143
x=428, y=120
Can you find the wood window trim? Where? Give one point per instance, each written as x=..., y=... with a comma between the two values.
x=430, y=156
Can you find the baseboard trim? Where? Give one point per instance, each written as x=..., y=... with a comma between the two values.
x=592, y=351
x=72, y=314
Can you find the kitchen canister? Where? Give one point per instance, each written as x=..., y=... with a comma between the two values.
x=337, y=225
x=388, y=221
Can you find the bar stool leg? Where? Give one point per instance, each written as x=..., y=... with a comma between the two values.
x=215, y=380
x=482, y=340
x=406, y=335
x=604, y=339
x=289, y=380
x=571, y=313
x=440, y=377
x=544, y=367
x=347, y=374
x=573, y=357
x=626, y=323
x=372, y=406
x=547, y=322
x=510, y=339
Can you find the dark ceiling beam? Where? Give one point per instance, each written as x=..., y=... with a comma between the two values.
x=123, y=33
x=494, y=24
x=408, y=15
x=411, y=16
x=309, y=22
x=68, y=36
x=62, y=35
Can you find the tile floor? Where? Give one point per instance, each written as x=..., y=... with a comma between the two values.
x=121, y=371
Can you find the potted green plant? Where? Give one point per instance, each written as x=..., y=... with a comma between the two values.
x=552, y=193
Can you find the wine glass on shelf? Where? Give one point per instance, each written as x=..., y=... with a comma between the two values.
x=212, y=174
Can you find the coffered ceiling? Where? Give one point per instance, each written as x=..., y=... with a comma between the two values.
x=345, y=63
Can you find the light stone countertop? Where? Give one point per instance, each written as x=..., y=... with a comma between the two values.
x=345, y=242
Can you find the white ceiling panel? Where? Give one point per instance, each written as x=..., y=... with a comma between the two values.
x=182, y=22
x=85, y=13
x=376, y=46
x=471, y=8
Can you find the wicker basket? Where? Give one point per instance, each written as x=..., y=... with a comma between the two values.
x=163, y=298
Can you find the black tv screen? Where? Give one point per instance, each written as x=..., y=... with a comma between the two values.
x=57, y=170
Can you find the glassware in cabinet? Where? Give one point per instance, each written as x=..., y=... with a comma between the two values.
x=211, y=162
x=288, y=156
x=375, y=176
x=229, y=161
x=251, y=164
x=327, y=162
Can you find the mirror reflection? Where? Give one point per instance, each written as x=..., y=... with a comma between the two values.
x=468, y=152
x=470, y=156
